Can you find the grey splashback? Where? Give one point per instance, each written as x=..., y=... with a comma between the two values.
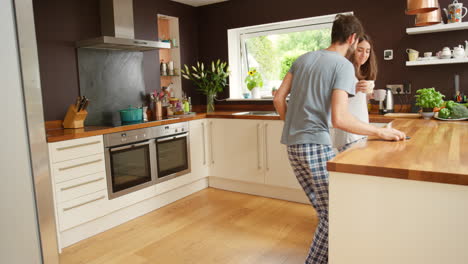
x=112, y=80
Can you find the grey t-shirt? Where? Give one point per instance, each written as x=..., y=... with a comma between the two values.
x=315, y=75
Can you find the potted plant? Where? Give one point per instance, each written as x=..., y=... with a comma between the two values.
x=254, y=81
x=209, y=80
x=427, y=99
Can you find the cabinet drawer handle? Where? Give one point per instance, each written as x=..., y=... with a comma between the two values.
x=79, y=165
x=203, y=142
x=259, y=165
x=80, y=145
x=81, y=204
x=266, y=147
x=81, y=184
x=211, y=142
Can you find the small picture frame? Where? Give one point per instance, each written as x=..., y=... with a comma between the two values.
x=388, y=54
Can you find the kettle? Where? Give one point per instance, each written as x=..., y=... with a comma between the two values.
x=386, y=103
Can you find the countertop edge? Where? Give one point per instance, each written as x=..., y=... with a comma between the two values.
x=398, y=173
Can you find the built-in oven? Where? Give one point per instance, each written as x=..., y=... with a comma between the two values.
x=172, y=150
x=130, y=161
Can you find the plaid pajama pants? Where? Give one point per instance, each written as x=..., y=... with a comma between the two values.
x=309, y=162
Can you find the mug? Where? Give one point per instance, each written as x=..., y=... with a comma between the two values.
x=371, y=86
x=379, y=94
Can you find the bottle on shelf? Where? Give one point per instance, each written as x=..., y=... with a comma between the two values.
x=170, y=66
x=163, y=68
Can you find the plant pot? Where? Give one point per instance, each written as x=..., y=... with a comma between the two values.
x=427, y=113
x=256, y=93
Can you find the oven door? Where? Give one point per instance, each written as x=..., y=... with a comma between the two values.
x=129, y=167
x=172, y=156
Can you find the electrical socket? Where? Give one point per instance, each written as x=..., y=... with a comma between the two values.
x=397, y=88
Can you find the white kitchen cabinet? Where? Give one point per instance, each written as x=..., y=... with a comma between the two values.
x=250, y=151
x=278, y=170
x=79, y=181
x=237, y=149
x=199, y=148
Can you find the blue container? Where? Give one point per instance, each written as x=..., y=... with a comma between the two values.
x=131, y=115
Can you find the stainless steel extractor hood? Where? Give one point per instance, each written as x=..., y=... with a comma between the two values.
x=118, y=30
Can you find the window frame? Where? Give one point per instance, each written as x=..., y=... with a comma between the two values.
x=237, y=50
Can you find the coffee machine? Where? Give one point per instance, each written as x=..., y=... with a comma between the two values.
x=385, y=98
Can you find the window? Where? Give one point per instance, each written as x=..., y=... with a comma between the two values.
x=271, y=49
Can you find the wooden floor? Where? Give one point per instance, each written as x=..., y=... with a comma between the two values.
x=210, y=226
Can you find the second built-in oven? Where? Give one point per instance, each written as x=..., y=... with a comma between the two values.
x=172, y=150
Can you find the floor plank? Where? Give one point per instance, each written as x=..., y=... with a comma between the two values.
x=210, y=226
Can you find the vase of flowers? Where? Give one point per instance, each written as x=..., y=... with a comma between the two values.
x=209, y=80
x=254, y=82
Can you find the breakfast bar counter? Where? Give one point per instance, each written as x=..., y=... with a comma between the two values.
x=436, y=152
x=402, y=202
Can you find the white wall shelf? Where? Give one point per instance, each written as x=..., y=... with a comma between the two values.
x=436, y=62
x=437, y=28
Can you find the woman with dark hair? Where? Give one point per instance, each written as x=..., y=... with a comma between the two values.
x=365, y=65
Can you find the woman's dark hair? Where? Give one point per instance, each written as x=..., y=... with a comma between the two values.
x=344, y=26
x=367, y=71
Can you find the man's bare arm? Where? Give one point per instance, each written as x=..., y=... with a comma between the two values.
x=280, y=97
x=342, y=119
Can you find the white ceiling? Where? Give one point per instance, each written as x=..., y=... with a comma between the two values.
x=199, y=2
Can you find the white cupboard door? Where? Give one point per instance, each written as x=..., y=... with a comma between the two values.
x=278, y=171
x=199, y=148
x=216, y=155
x=240, y=156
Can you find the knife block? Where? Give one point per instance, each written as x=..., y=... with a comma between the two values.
x=74, y=119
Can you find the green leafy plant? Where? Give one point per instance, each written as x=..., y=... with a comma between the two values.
x=253, y=79
x=429, y=98
x=209, y=80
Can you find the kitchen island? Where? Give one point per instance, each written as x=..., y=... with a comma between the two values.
x=402, y=202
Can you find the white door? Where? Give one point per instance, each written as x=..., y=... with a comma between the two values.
x=278, y=171
x=238, y=149
x=199, y=158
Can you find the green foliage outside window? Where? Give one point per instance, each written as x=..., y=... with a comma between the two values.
x=275, y=54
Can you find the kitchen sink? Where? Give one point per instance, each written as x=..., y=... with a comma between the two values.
x=258, y=113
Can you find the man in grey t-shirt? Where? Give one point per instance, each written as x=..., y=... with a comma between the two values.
x=319, y=84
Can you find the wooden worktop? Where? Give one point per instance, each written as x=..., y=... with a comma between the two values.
x=436, y=152
x=55, y=132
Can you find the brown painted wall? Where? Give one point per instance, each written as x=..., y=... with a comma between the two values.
x=384, y=20
x=60, y=23
x=203, y=33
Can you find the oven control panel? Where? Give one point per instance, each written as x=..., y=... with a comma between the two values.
x=126, y=137
x=171, y=129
